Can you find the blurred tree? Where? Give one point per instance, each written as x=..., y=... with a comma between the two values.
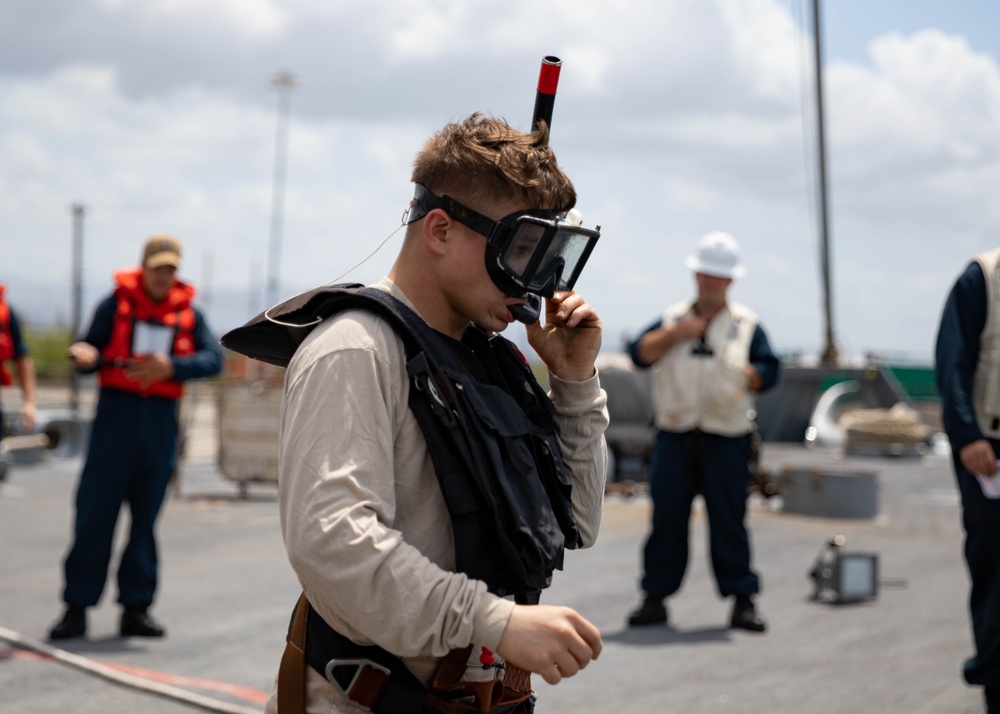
x=48, y=348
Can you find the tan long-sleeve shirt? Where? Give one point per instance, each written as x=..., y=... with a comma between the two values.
x=365, y=525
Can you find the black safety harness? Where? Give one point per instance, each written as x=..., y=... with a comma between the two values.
x=492, y=440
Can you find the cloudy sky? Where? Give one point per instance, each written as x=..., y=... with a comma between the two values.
x=673, y=117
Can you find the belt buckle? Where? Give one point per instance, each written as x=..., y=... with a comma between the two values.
x=360, y=664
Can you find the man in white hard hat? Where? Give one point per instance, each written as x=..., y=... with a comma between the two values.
x=709, y=358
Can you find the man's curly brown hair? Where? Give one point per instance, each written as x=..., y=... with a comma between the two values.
x=483, y=160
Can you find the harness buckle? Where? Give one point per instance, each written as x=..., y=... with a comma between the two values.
x=424, y=382
x=359, y=665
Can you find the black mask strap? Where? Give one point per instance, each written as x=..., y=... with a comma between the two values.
x=424, y=202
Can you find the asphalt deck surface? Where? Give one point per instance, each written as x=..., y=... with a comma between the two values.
x=226, y=592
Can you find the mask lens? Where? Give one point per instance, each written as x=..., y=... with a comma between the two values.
x=523, y=245
x=532, y=254
x=567, y=251
x=545, y=256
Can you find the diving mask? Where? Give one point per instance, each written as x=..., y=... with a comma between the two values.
x=527, y=252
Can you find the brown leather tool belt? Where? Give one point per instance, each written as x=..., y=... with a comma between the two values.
x=378, y=681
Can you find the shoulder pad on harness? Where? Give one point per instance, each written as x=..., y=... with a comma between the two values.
x=275, y=334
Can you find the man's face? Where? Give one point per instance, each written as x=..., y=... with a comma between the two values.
x=712, y=290
x=469, y=289
x=158, y=281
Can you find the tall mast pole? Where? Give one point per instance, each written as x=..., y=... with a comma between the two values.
x=285, y=83
x=830, y=355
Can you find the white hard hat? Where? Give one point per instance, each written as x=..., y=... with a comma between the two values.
x=718, y=254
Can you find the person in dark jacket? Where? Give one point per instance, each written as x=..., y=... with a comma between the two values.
x=146, y=339
x=967, y=365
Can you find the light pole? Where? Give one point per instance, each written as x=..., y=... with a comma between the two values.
x=79, y=211
x=285, y=83
x=830, y=356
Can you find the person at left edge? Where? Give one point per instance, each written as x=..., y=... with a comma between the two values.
x=13, y=349
x=145, y=340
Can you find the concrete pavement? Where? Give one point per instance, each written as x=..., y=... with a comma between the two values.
x=227, y=590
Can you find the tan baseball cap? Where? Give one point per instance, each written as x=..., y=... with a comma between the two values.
x=161, y=249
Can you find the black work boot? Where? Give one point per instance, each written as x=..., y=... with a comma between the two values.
x=72, y=624
x=137, y=622
x=652, y=612
x=745, y=615
x=992, y=697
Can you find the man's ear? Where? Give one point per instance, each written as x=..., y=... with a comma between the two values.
x=437, y=230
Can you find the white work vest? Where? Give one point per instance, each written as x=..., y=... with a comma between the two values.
x=986, y=380
x=706, y=392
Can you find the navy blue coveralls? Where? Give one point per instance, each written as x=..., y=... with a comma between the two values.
x=956, y=356
x=132, y=453
x=684, y=464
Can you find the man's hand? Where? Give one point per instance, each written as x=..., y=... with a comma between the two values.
x=978, y=458
x=690, y=327
x=655, y=343
x=571, y=338
x=24, y=366
x=549, y=640
x=150, y=368
x=29, y=417
x=84, y=354
x=754, y=381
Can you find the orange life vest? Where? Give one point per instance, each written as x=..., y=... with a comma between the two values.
x=134, y=305
x=6, y=340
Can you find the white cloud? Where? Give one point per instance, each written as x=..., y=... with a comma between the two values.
x=259, y=19
x=915, y=141
x=764, y=40
x=672, y=118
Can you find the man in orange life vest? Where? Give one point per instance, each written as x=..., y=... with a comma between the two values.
x=12, y=348
x=145, y=339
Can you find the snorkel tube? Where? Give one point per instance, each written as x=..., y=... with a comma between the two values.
x=545, y=100
x=545, y=95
